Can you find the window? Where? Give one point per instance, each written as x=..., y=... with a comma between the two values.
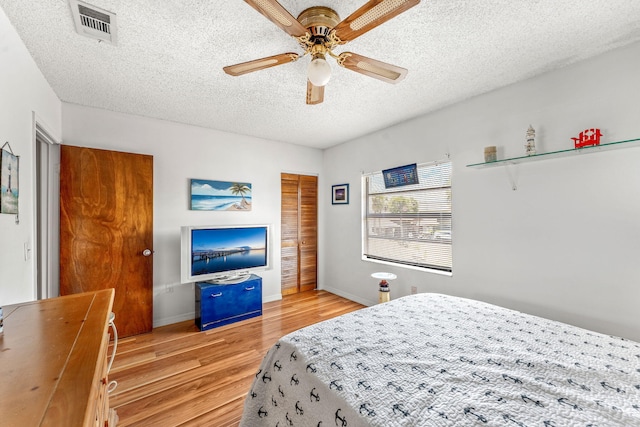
x=410, y=225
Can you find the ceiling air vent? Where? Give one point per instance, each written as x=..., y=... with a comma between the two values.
x=91, y=21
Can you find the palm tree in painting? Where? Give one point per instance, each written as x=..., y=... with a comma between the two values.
x=239, y=188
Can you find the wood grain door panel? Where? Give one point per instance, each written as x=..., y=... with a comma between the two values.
x=299, y=229
x=289, y=233
x=106, y=222
x=308, y=232
x=289, y=270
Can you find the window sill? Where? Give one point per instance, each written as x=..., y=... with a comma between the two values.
x=409, y=267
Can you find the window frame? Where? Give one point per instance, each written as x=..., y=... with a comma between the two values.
x=366, y=216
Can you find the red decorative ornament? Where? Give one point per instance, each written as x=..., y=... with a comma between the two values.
x=587, y=137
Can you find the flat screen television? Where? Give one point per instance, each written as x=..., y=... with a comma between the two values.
x=223, y=254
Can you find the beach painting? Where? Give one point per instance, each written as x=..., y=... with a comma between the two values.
x=8, y=183
x=220, y=195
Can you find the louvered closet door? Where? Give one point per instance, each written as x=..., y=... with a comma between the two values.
x=308, y=232
x=289, y=233
x=299, y=231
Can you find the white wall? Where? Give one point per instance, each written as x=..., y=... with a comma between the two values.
x=181, y=152
x=24, y=93
x=565, y=245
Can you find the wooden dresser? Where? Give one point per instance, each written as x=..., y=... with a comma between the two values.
x=53, y=362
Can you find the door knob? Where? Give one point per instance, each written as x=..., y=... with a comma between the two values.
x=147, y=252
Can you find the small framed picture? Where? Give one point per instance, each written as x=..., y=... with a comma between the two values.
x=9, y=164
x=340, y=194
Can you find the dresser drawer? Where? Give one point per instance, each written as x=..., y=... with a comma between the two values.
x=221, y=304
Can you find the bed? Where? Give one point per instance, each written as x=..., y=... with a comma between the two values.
x=438, y=360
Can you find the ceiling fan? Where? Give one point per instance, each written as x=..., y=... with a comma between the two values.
x=319, y=30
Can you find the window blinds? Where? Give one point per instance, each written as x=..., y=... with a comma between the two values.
x=410, y=225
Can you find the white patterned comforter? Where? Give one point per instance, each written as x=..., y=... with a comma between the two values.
x=436, y=360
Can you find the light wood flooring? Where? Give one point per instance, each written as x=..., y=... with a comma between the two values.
x=179, y=376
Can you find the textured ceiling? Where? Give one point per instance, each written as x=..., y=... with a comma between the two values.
x=168, y=61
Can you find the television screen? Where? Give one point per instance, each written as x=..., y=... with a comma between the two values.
x=401, y=175
x=223, y=252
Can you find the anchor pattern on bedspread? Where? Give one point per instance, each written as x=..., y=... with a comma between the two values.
x=432, y=359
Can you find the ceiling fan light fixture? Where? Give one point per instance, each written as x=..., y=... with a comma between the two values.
x=319, y=71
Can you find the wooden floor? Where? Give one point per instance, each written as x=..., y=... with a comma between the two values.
x=179, y=376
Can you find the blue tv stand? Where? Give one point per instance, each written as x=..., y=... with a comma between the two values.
x=221, y=304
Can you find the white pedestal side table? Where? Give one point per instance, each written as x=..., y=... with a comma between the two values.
x=384, y=295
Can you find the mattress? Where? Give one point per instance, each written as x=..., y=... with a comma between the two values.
x=438, y=360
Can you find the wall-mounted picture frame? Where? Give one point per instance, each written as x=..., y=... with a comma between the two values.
x=401, y=175
x=340, y=194
x=209, y=195
x=9, y=172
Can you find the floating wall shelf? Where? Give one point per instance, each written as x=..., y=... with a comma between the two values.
x=556, y=154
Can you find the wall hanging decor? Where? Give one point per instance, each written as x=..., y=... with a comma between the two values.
x=9, y=167
x=220, y=195
x=340, y=194
x=587, y=137
x=401, y=175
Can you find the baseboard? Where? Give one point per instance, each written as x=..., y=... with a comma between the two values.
x=270, y=298
x=174, y=319
x=349, y=296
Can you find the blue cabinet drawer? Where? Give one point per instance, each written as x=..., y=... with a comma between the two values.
x=221, y=304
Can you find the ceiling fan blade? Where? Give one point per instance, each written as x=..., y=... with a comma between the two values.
x=260, y=64
x=372, y=67
x=369, y=16
x=315, y=94
x=277, y=14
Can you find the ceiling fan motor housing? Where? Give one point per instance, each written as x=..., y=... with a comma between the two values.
x=319, y=20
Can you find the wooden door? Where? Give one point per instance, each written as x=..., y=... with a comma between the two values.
x=299, y=232
x=308, y=233
x=106, y=225
x=289, y=233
